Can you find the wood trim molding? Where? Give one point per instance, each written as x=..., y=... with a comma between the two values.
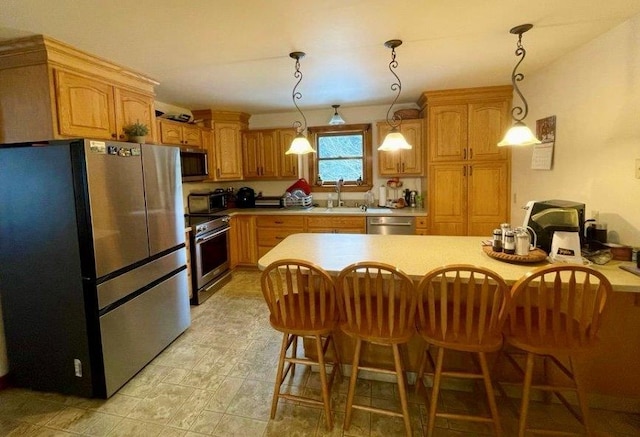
x=465, y=95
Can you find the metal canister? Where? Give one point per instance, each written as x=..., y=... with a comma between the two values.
x=496, y=242
x=523, y=241
x=509, y=244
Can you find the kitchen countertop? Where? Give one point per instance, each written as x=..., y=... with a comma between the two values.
x=416, y=255
x=321, y=210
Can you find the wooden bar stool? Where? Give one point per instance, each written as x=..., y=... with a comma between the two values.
x=461, y=308
x=556, y=313
x=377, y=305
x=302, y=302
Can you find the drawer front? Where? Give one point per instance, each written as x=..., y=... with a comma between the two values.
x=421, y=222
x=336, y=222
x=280, y=221
x=271, y=237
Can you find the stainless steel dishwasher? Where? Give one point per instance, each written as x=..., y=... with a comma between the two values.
x=389, y=225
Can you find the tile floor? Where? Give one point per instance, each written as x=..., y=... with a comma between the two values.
x=217, y=379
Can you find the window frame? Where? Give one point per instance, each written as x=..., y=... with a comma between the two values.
x=367, y=157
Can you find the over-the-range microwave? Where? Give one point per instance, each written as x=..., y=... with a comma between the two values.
x=194, y=164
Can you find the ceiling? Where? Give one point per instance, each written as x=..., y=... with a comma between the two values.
x=234, y=54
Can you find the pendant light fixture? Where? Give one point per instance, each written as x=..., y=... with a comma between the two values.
x=394, y=139
x=300, y=144
x=519, y=134
x=336, y=118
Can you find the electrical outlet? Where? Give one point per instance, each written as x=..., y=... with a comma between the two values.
x=77, y=367
x=638, y=168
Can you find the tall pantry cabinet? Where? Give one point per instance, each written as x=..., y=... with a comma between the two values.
x=469, y=177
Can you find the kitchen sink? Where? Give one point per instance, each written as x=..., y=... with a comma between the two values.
x=340, y=210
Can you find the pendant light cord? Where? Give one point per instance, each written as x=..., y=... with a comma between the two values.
x=518, y=113
x=395, y=120
x=297, y=95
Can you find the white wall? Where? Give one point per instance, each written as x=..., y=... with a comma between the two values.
x=594, y=93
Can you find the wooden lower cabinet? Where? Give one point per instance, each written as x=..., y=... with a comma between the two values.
x=271, y=229
x=421, y=225
x=336, y=224
x=470, y=199
x=243, y=249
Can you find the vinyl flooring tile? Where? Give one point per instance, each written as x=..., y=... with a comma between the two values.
x=217, y=380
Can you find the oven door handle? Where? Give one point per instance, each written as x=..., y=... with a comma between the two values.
x=209, y=237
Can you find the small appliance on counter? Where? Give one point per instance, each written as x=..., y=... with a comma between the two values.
x=550, y=216
x=268, y=202
x=246, y=198
x=207, y=202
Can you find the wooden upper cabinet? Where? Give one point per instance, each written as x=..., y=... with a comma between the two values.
x=403, y=162
x=57, y=91
x=263, y=153
x=85, y=107
x=467, y=124
x=288, y=163
x=228, y=151
x=448, y=133
x=487, y=125
x=95, y=109
x=133, y=107
x=180, y=134
x=260, y=154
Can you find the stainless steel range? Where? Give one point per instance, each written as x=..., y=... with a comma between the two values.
x=209, y=254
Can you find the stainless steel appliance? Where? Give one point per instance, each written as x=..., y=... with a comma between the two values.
x=245, y=198
x=210, y=255
x=391, y=225
x=194, y=164
x=207, y=203
x=92, y=261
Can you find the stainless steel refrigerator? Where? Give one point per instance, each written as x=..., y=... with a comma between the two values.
x=93, y=276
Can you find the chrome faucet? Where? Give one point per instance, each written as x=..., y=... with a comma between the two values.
x=339, y=185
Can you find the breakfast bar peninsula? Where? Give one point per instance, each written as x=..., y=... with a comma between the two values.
x=613, y=370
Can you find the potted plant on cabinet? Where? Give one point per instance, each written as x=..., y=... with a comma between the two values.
x=136, y=132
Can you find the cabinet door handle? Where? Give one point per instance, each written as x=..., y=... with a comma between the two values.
x=218, y=172
x=464, y=154
x=278, y=222
x=464, y=171
x=470, y=170
x=470, y=153
x=113, y=135
x=403, y=167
